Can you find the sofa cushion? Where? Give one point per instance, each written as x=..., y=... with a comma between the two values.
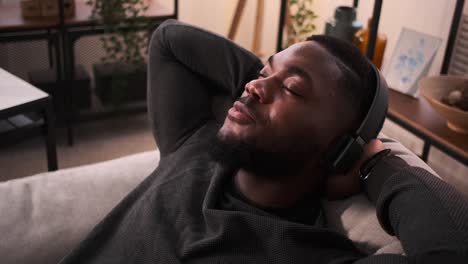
x=46, y=215
x=355, y=217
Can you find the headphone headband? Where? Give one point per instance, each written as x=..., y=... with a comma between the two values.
x=373, y=121
x=349, y=148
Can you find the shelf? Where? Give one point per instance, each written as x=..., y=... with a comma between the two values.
x=11, y=19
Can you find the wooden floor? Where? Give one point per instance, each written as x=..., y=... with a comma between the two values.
x=94, y=141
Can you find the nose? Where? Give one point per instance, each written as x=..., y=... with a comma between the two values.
x=258, y=90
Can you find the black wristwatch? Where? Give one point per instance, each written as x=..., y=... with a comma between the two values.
x=367, y=167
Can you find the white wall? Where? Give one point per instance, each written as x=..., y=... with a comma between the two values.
x=216, y=16
x=269, y=32
x=209, y=14
x=433, y=17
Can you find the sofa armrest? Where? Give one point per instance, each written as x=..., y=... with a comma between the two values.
x=47, y=215
x=356, y=217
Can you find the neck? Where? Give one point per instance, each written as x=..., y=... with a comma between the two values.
x=278, y=192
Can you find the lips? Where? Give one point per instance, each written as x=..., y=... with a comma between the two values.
x=239, y=113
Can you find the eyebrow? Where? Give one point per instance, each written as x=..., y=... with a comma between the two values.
x=298, y=71
x=292, y=69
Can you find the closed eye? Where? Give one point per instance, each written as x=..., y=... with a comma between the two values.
x=291, y=91
x=261, y=75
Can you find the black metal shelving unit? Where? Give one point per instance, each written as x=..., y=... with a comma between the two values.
x=70, y=34
x=61, y=38
x=375, y=26
x=38, y=113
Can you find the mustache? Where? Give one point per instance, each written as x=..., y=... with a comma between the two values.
x=250, y=103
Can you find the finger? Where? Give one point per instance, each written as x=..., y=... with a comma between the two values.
x=369, y=150
x=372, y=148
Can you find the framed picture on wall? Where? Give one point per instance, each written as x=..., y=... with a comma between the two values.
x=411, y=60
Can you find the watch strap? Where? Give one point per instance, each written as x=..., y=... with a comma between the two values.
x=366, y=168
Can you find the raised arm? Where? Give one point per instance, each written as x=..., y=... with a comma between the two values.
x=187, y=66
x=429, y=216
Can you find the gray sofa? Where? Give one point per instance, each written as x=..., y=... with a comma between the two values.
x=45, y=216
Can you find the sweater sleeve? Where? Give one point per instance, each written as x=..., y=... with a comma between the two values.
x=187, y=67
x=429, y=216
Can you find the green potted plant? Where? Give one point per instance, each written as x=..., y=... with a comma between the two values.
x=121, y=75
x=299, y=21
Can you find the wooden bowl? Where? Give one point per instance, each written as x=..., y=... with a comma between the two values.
x=434, y=88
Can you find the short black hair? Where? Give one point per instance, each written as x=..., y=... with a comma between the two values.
x=357, y=79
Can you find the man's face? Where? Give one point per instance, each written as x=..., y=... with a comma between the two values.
x=293, y=109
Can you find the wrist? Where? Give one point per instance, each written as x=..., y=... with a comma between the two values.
x=386, y=166
x=366, y=168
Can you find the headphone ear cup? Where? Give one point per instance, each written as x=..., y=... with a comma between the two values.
x=335, y=152
x=343, y=155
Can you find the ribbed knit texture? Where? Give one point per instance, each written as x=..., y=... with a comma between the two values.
x=178, y=215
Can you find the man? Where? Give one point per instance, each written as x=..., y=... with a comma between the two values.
x=248, y=192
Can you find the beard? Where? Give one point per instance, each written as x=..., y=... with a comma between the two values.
x=238, y=154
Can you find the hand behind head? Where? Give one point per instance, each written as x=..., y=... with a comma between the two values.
x=341, y=186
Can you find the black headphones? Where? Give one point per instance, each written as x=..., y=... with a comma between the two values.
x=348, y=149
